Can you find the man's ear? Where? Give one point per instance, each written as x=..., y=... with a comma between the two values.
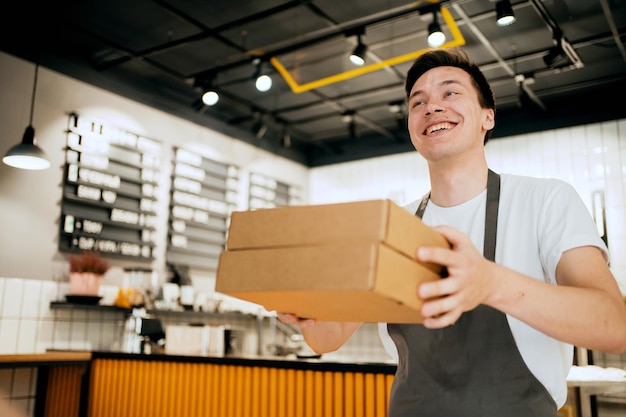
x=489, y=122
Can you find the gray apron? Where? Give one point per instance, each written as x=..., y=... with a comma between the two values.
x=472, y=368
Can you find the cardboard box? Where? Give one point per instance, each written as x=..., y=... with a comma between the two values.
x=332, y=262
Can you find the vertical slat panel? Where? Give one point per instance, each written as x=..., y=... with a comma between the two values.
x=221, y=383
x=273, y=392
x=146, y=379
x=127, y=386
x=98, y=378
x=318, y=394
x=231, y=386
x=264, y=392
x=281, y=392
x=388, y=383
x=255, y=402
x=63, y=391
x=227, y=388
x=338, y=397
x=117, y=388
x=195, y=390
x=215, y=390
x=300, y=395
x=290, y=392
x=106, y=390
x=175, y=397
x=139, y=391
x=348, y=379
x=329, y=393
x=359, y=394
x=309, y=390
x=204, y=388
x=370, y=395
x=186, y=388
x=236, y=383
x=154, y=376
x=246, y=408
x=381, y=396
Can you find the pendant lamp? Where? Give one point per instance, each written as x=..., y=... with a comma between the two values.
x=26, y=154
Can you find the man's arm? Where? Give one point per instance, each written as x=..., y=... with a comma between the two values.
x=586, y=309
x=322, y=336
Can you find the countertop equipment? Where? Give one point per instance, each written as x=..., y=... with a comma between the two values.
x=142, y=333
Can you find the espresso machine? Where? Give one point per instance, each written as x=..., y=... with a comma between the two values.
x=142, y=333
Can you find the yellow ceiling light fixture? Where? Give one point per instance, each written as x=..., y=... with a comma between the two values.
x=457, y=40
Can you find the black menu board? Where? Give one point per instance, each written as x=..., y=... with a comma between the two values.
x=203, y=195
x=110, y=189
x=267, y=192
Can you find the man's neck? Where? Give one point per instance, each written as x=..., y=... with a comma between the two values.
x=451, y=186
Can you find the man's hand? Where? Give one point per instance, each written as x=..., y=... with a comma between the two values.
x=468, y=283
x=289, y=318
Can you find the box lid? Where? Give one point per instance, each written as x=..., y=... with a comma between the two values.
x=370, y=220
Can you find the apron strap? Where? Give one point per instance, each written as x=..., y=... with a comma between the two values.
x=491, y=214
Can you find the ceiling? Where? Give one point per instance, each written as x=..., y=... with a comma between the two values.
x=322, y=109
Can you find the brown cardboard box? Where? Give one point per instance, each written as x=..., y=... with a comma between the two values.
x=332, y=262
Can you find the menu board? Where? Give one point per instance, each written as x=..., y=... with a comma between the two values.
x=203, y=195
x=266, y=192
x=110, y=189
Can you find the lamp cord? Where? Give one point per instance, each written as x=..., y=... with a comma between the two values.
x=32, y=101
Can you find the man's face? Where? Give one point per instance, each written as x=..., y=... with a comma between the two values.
x=445, y=117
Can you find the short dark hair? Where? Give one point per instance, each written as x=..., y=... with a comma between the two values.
x=453, y=57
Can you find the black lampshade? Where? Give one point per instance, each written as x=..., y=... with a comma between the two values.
x=358, y=55
x=435, y=36
x=504, y=13
x=27, y=155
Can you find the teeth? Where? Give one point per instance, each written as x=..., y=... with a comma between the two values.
x=438, y=127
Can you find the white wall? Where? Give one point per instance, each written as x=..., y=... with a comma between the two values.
x=591, y=158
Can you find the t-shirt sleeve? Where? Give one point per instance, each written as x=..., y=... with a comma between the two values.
x=565, y=223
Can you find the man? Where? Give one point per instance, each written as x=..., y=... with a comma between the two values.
x=498, y=331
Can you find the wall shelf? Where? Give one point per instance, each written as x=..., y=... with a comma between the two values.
x=58, y=305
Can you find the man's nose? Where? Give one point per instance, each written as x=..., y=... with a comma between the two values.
x=432, y=107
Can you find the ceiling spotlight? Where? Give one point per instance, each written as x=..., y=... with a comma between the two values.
x=358, y=55
x=263, y=81
x=210, y=97
x=504, y=13
x=436, y=37
x=26, y=154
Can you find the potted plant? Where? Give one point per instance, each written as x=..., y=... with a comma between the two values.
x=86, y=272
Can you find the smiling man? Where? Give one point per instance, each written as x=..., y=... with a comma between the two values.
x=528, y=276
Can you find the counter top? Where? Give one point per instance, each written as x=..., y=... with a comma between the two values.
x=597, y=380
x=44, y=359
x=290, y=362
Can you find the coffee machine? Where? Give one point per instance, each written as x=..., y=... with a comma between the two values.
x=142, y=333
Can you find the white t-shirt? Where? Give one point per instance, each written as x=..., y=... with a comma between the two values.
x=538, y=220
